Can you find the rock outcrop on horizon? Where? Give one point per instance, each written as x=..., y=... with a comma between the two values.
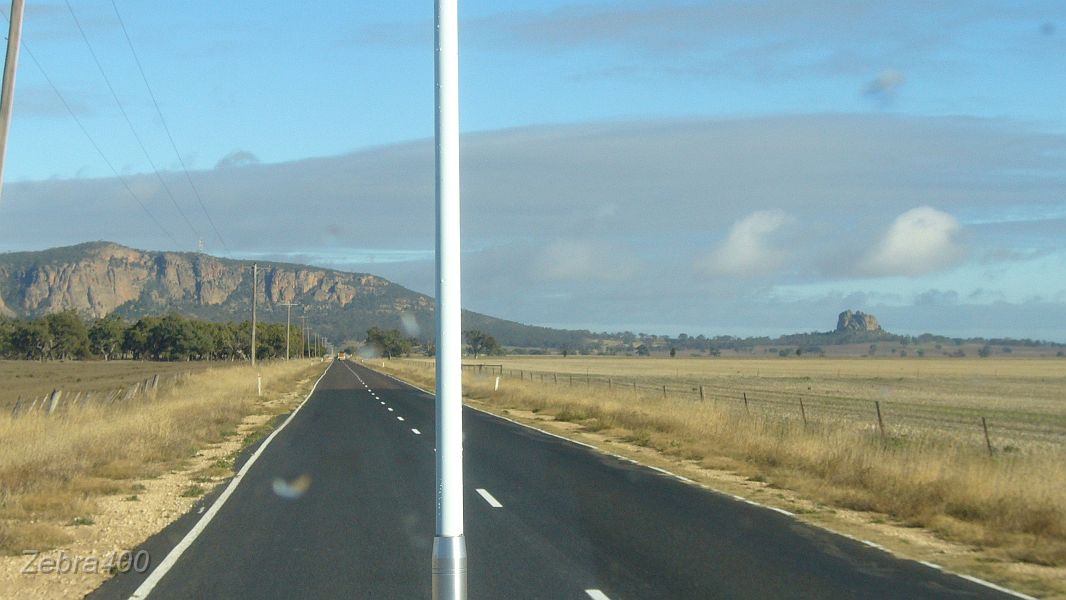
x=857, y=321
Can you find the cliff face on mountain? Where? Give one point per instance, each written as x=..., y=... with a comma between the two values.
x=100, y=278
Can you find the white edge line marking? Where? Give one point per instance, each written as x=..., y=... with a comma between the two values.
x=998, y=588
x=175, y=553
x=493, y=502
x=416, y=432
x=601, y=595
x=931, y=565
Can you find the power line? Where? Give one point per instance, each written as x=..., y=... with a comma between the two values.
x=96, y=146
x=125, y=116
x=166, y=128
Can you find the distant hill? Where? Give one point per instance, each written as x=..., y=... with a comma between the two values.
x=101, y=278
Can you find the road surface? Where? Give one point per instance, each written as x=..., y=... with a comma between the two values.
x=545, y=518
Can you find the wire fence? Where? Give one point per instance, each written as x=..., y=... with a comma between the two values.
x=998, y=430
x=64, y=401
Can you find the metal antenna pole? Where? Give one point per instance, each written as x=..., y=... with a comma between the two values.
x=255, y=286
x=7, y=90
x=288, y=321
x=449, y=544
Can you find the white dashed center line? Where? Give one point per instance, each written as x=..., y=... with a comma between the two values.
x=597, y=595
x=416, y=432
x=399, y=418
x=494, y=503
x=390, y=409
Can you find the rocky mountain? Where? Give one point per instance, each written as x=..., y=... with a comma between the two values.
x=857, y=321
x=100, y=278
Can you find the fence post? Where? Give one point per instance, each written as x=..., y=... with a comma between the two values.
x=880, y=421
x=746, y=409
x=571, y=380
x=609, y=384
x=54, y=401
x=803, y=412
x=664, y=391
x=496, y=388
x=15, y=409
x=701, y=392
x=988, y=441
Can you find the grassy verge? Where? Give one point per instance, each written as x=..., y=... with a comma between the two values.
x=1010, y=506
x=54, y=468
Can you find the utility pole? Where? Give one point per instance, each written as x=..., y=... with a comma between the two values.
x=7, y=89
x=449, y=542
x=288, y=321
x=255, y=294
x=303, y=336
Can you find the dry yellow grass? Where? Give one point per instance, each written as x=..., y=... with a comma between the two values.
x=1012, y=504
x=53, y=467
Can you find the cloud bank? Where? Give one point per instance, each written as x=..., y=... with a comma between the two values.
x=696, y=225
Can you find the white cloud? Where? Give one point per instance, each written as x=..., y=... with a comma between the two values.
x=921, y=240
x=578, y=260
x=749, y=250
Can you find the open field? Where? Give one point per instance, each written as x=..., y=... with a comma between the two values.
x=1009, y=507
x=1022, y=400
x=29, y=379
x=55, y=469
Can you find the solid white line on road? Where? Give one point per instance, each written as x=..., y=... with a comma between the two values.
x=989, y=584
x=156, y=575
x=597, y=595
x=931, y=565
x=399, y=418
x=494, y=503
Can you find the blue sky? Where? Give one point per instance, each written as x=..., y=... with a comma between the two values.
x=761, y=164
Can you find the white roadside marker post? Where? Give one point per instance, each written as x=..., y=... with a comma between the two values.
x=449, y=544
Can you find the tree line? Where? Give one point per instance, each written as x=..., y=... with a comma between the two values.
x=390, y=343
x=67, y=336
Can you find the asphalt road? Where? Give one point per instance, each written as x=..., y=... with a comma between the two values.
x=545, y=518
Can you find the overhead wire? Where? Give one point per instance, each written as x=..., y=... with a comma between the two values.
x=166, y=128
x=129, y=123
x=95, y=146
